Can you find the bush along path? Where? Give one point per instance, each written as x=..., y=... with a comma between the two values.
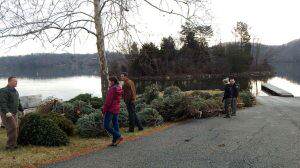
x=66, y=124
x=257, y=137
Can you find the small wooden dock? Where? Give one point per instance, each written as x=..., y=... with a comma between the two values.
x=275, y=91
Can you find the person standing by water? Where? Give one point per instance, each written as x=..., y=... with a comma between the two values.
x=231, y=92
x=226, y=84
x=9, y=107
x=111, y=110
x=129, y=96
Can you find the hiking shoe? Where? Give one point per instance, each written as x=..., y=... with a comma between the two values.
x=233, y=114
x=119, y=141
x=227, y=116
x=112, y=144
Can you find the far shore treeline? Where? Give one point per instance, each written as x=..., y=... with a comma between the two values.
x=191, y=56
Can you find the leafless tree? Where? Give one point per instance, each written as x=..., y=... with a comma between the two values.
x=60, y=22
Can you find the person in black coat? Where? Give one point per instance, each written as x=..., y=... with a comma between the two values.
x=231, y=92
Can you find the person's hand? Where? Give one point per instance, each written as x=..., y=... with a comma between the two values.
x=8, y=115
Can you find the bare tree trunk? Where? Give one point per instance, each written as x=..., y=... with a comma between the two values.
x=101, y=47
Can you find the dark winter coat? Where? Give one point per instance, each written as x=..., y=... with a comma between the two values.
x=9, y=100
x=231, y=91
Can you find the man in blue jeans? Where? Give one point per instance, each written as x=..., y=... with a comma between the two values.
x=129, y=96
x=230, y=97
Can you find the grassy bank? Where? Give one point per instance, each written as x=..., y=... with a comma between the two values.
x=34, y=156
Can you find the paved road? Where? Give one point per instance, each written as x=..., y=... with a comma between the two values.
x=267, y=135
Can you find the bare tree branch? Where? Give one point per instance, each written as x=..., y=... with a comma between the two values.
x=165, y=11
x=61, y=22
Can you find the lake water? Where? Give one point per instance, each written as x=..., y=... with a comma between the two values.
x=62, y=88
x=283, y=83
x=67, y=88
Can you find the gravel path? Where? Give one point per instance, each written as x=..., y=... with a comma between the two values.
x=267, y=135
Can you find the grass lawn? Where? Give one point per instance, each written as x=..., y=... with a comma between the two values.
x=33, y=156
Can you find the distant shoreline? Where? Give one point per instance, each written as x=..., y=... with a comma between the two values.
x=162, y=77
x=206, y=76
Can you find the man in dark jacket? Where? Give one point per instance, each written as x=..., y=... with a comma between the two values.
x=9, y=106
x=231, y=92
x=129, y=96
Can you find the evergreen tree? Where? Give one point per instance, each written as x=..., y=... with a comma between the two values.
x=168, y=52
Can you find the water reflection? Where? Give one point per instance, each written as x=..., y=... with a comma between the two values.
x=200, y=84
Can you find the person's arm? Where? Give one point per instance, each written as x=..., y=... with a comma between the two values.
x=108, y=100
x=4, y=99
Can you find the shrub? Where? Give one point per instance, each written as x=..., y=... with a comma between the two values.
x=218, y=95
x=247, y=98
x=199, y=103
x=201, y=94
x=48, y=105
x=140, y=105
x=95, y=102
x=62, y=122
x=214, y=108
x=123, y=118
x=214, y=103
x=83, y=108
x=91, y=126
x=37, y=130
x=122, y=105
x=67, y=109
x=171, y=108
x=171, y=90
x=205, y=107
x=73, y=111
x=158, y=104
x=151, y=93
x=82, y=97
x=150, y=117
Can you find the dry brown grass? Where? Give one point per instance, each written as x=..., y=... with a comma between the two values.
x=34, y=156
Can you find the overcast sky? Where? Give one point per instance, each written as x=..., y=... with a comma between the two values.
x=273, y=22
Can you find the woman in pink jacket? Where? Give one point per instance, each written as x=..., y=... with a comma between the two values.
x=111, y=110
